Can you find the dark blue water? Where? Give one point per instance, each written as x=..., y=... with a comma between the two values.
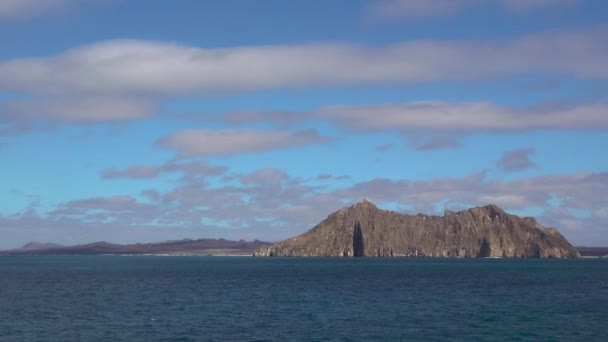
x=114, y=298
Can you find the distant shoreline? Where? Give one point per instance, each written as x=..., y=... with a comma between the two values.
x=263, y=257
x=187, y=247
x=176, y=247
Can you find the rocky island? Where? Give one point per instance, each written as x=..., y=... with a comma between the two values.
x=364, y=230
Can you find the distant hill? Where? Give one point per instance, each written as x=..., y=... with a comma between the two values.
x=37, y=245
x=593, y=251
x=365, y=230
x=200, y=246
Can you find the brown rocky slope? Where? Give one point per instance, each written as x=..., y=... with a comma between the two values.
x=365, y=230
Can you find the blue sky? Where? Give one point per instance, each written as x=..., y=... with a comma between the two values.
x=132, y=120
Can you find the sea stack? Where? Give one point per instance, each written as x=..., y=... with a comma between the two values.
x=364, y=230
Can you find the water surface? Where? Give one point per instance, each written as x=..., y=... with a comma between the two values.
x=147, y=298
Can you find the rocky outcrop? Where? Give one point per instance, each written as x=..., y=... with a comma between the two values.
x=365, y=230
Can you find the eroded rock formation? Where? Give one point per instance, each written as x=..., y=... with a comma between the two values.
x=365, y=230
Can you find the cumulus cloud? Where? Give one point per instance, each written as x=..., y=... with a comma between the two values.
x=270, y=204
x=432, y=196
x=114, y=203
x=133, y=172
x=190, y=170
x=123, y=209
x=203, y=142
x=267, y=176
x=440, y=8
x=516, y=160
x=194, y=168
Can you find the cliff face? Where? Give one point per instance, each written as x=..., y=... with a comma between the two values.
x=365, y=230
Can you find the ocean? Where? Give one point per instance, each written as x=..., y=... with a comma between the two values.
x=174, y=298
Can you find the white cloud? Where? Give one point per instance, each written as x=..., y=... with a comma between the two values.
x=265, y=177
x=469, y=117
x=601, y=213
x=114, y=203
x=191, y=170
x=126, y=79
x=577, y=190
x=78, y=109
x=516, y=160
x=202, y=142
x=134, y=172
x=270, y=204
x=155, y=68
x=431, y=125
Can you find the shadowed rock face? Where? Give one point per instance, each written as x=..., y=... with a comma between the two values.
x=358, y=244
x=365, y=230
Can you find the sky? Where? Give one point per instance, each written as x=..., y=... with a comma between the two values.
x=148, y=120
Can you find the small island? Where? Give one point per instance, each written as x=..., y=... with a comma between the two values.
x=364, y=230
